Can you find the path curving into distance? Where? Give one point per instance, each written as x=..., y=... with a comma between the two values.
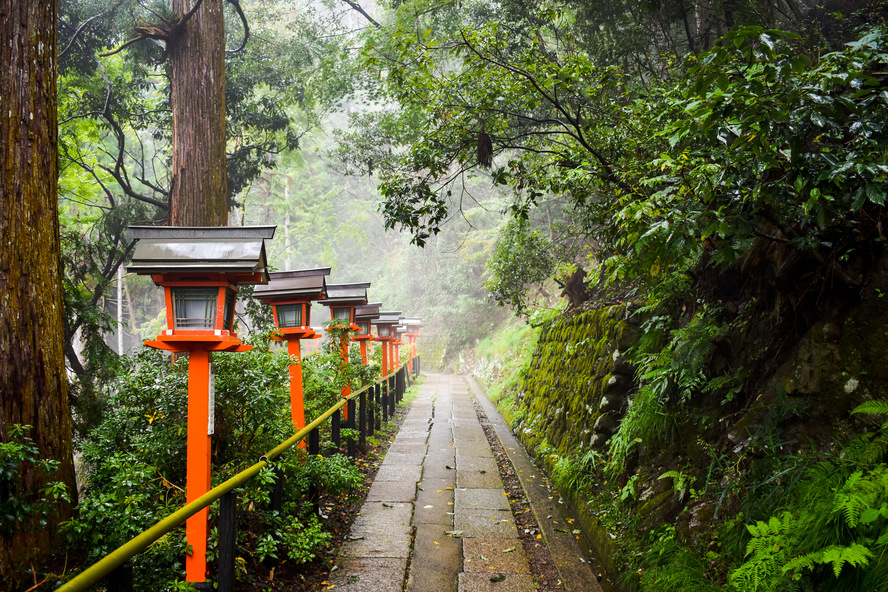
x=437, y=518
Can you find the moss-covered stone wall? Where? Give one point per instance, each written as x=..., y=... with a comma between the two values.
x=576, y=389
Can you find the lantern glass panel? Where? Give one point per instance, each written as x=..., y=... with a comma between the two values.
x=228, y=319
x=342, y=314
x=364, y=328
x=289, y=315
x=195, y=308
x=383, y=331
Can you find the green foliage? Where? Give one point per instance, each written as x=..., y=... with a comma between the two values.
x=135, y=461
x=877, y=407
x=827, y=537
x=672, y=567
x=20, y=463
x=520, y=259
x=675, y=365
x=577, y=471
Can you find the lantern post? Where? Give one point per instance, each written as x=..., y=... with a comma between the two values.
x=200, y=269
x=290, y=294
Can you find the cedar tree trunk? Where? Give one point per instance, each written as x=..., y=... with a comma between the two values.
x=33, y=383
x=199, y=191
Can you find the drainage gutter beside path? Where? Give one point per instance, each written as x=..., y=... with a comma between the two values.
x=571, y=552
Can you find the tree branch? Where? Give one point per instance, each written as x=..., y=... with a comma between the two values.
x=76, y=33
x=164, y=32
x=243, y=18
x=357, y=7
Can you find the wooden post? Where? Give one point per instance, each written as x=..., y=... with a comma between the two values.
x=121, y=579
x=362, y=417
x=314, y=448
x=277, y=494
x=297, y=399
x=350, y=422
x=343, y=355
x=227, y=541
x=334, y=428
x=198, y=462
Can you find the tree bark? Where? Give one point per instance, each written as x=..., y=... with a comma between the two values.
x=199, y=190
x=33, y=383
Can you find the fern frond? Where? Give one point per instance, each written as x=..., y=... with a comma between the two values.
x=879, y=407
x=855, y=555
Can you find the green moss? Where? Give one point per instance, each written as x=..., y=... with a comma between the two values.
x=572, y=363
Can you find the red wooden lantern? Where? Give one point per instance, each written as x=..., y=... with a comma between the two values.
x=385, y=334
x=342, y=300
x=290, y=294
x=413, y=325
x=364, y=315
x=200, y=270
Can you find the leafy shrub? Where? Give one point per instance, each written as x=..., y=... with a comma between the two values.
x=20, y=463
x=135, y=460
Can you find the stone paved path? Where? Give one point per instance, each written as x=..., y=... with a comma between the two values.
x=437, y=518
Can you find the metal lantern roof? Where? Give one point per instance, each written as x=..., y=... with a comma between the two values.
x=354, y=294
x=412, y=322
x=367, y=312
x=388, y=318
x=308, y=284
x=237, y=251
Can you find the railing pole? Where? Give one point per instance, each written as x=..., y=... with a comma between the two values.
x=277, y=494
x=371, y=417
x=385, y=405
x=350, y=422
x=314, y=448
x=362, y=418
x=334, y=428
x=121, y=579
x=227, y=541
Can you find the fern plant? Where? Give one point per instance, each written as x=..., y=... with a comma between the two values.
x=830, y=537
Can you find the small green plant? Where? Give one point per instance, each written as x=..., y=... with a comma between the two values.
x=577, y=471
x=680, y=482
x=349, y=434
x=20, y=508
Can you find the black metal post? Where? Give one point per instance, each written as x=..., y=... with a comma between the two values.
x=371, y=416
x=362, y=417
x=334, y=427
x=350, y=442
x=393, y=394
x=121, y=579
x=314, y=448
x=385, y=405
x=227, y=541
x=277, y=494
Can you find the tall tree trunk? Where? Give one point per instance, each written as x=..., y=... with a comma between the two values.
x=33, y=383
x=199, y=191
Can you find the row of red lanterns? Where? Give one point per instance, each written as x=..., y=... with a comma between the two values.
x=200, y=269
